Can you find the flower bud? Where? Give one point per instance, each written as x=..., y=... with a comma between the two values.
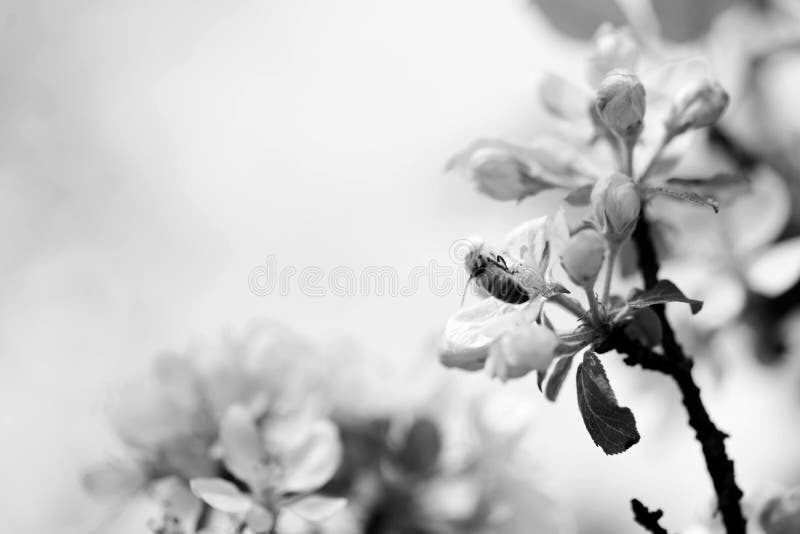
x=616, y=204
x=621, y=104
x=781, y=515
x=521, y=350
x=614, y=48
x=583, y=257
x=698, y=108
x=503, y=176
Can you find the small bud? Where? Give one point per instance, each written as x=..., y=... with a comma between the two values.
x=698, y=108
x=621, y=104
x=522, y=350
x=616, y=204
x=614, y=48
x=503, y=176
x=781, y=515
x=583, y=257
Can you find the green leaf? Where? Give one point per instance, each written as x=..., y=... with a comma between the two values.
x=557, y=376
x=612, y=427
x=720, y=180
x=686, y=196
x=664, y=291
x=645, y=327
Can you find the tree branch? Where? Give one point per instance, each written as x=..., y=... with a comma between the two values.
x=646, y=518
x=676, y=364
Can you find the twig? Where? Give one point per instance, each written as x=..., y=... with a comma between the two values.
x=676, y=364
x=646, y=518
x=202, y=517
x=654, y=158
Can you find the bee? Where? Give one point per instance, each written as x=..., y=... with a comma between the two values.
x=514, y=285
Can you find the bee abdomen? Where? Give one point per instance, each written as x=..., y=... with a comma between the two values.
x=502, y=285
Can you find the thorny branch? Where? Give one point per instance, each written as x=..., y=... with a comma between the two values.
x=675, y=363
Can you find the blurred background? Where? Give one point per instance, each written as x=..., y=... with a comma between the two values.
x=153, y=154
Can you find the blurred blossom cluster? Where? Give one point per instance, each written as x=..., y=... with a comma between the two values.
x=266, y=432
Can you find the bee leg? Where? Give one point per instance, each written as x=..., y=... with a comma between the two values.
x=501, y=260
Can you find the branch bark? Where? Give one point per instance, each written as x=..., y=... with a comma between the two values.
x=676, y=364
x=646, y=518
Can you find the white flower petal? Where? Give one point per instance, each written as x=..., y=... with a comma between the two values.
x=117, y=479
x=527, y=241
x=521, y=350
x=175, y=497
x=470, y=331
x=311, y=464
x=317, y=508
x=758, y=218
x=776, y=269
x=241, y=444
x=221, y=495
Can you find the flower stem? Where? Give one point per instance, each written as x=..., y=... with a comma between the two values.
x=274, y=528
x=571, y=305
x=666, y=140
x=613, y=250
x=627, y=157
x=593, y=307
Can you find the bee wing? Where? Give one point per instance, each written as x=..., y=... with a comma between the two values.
x=527, y=242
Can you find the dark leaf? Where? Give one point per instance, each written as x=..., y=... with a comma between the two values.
x=645, y=327
x=664, y=291
x=580, y=196
x=557, y=376
x=612, y=427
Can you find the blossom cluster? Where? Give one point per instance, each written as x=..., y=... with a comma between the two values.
x=266, y=432
x=615, y=161
x=573, y=252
